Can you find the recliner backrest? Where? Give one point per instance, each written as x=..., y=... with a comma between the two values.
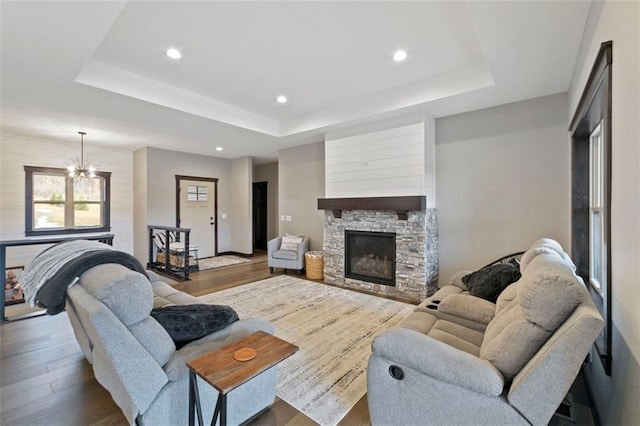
x=120, y=362
x=545, y=296
x=129, y=296
x=550, y=372
x=129, y=348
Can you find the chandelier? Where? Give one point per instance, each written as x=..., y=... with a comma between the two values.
x=81, y=169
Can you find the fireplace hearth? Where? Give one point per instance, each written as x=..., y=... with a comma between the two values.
x=370, y=256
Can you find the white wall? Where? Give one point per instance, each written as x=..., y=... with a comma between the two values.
x=269, y=173
x=383, y=163
x=18, y=152
x=241, y=175
x=162, y=167
x=140, y=196
x=503, y=181
x=617, y=397
x=430, y=161
x=301, y=183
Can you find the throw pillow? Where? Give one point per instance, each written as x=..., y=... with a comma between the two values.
x=186, y=323
x=489, y=281
x=290, y=243
x=515, y=262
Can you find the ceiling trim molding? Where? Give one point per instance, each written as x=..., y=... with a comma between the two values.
x=114, y=79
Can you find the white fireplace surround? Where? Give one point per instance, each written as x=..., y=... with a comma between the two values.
x=384, y=181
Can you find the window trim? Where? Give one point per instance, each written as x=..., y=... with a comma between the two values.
x=28, y=204
x=594, y=108
x=597, y=258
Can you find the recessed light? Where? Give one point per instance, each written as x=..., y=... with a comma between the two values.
x=174, y=53
x=281, y=99
x=218, y=148
x=399, y=55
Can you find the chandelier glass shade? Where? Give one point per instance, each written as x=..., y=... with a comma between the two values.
x=81, y=169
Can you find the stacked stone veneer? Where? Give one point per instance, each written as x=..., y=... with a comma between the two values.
x=416, y=250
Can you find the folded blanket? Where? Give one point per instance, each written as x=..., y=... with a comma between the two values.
x=45, y=280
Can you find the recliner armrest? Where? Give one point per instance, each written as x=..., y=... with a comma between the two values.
x=416, y=351
x=468, y=307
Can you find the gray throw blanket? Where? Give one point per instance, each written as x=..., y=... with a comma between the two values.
x=45, y=280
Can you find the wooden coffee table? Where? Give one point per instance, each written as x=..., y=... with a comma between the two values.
x=222, y=371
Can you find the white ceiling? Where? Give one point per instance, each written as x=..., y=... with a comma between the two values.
x=100, y=67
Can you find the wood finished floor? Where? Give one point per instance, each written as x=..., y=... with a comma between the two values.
x=45, y=380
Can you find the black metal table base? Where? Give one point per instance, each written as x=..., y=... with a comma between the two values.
x=195, y=406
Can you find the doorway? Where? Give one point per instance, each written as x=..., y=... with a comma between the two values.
x=260, y=215
x=197, y=209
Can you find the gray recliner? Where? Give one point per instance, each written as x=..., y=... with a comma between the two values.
x=135, y=359
x=286, y=259
x=465, y=360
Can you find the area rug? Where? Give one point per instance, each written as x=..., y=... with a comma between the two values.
x=220, y=261
x=333, y=328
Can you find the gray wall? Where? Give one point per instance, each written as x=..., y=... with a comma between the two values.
x=161, y=168
x=241, y=205
x=301, y=183
x=502, y=181
x=269, y=173
x=617, y=396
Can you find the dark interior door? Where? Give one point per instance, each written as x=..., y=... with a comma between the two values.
x=260, y=215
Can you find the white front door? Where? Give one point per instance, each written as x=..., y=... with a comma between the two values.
x=197, y=211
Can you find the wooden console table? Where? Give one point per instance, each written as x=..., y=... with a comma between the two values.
x=103, y=238
x=222, y=371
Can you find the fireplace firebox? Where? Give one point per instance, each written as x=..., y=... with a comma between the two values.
x=370, y=256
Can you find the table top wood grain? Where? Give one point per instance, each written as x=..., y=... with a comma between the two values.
x=224, y=373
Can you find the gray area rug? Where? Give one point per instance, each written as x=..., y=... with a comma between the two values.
x=334, y=329
x=220, y=261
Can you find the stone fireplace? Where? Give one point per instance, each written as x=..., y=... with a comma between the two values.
x=380, y=181
x=406, y=220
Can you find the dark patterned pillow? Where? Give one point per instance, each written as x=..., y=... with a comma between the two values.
x=515, y=262
x=489, y=281
x=186, y=323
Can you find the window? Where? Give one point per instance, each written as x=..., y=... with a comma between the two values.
x=597, y=260
x=591, y=143
x=197, y=193
x=55, y=204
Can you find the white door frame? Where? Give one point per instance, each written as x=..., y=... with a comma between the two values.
x=180, y=178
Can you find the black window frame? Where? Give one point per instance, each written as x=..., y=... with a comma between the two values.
x=28, y=204
x=594, y=108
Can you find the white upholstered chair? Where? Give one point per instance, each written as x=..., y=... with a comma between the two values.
x=287, y=252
